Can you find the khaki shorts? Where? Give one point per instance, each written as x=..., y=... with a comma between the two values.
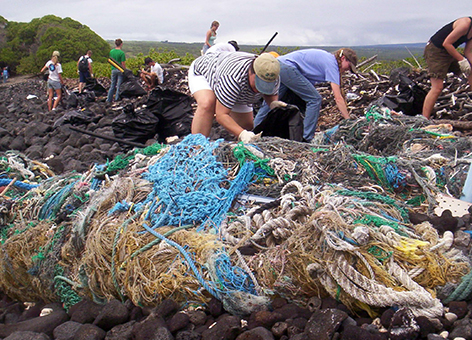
x=439, y=62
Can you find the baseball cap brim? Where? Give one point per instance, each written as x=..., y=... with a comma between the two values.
x=265, y=87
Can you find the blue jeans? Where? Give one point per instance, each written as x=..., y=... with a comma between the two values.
x=116, y=80
x=291, y=78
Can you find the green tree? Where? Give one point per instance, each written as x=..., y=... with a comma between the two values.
x=29, y=46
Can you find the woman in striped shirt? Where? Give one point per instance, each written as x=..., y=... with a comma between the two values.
x=225, y=85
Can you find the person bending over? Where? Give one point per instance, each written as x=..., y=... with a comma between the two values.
x=301, y=70
x=441, y=56
x=225, y=85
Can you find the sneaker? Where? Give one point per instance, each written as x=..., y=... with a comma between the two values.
x=53, y=109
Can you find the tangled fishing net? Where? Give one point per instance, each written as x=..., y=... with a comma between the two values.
x=242, y=223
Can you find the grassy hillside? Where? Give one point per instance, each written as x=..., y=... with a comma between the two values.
x=384, y=52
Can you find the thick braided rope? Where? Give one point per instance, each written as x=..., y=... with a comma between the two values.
x=372, y=293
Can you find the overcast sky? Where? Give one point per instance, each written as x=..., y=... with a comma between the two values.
x=253, y=22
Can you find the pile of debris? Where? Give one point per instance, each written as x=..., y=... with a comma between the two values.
x=367, y=215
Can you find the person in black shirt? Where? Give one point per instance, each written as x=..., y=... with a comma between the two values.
x=442, y=57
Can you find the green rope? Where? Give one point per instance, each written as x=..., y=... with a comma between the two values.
x=4, y=231
x=150, y=150
x=375, y=167
x=379, y=221
x=241, y=153
x=379, y=253
x=462, y=291
x=436, y=134
x=63, y=289
x=416, y=201
x=372, y=196
x=375, y=114
x=120, y=162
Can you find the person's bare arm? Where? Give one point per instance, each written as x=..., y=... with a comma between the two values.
x=460, y=27
x=340, y=102
x=224, y=118
x=207, y=38
x=468, y=50
x=269, y=99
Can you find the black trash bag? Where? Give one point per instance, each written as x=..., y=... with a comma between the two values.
x=131, y=87
x=174, y=110
x=291, y=97
x=77, y=117
x=69, y=100
x=284, y=122
x=410, y=98
x=92, y=85
x=135, y=125
x=86, y=97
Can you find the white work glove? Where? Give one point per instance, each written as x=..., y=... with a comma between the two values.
x=248, y=136
x=465, y=66
x=277, y=104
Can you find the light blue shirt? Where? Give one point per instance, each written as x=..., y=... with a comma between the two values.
x=316, y=65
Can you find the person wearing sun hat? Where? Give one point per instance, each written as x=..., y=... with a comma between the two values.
x=225, y=85
x=301, y=70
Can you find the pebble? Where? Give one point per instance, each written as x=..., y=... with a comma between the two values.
x=444, y=334
x=451, y=317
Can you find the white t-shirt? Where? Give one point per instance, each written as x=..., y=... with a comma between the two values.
x=89, y=59
x=54, y=70
x=226, y=47
x=157, y=69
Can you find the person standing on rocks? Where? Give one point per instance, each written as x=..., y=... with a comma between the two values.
x=225, y=85
x=84, y=67
x=210, y=36
x=5, y=74
x=441, y=57
x=55, y=81
x=301, y=70
x=116, y=75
